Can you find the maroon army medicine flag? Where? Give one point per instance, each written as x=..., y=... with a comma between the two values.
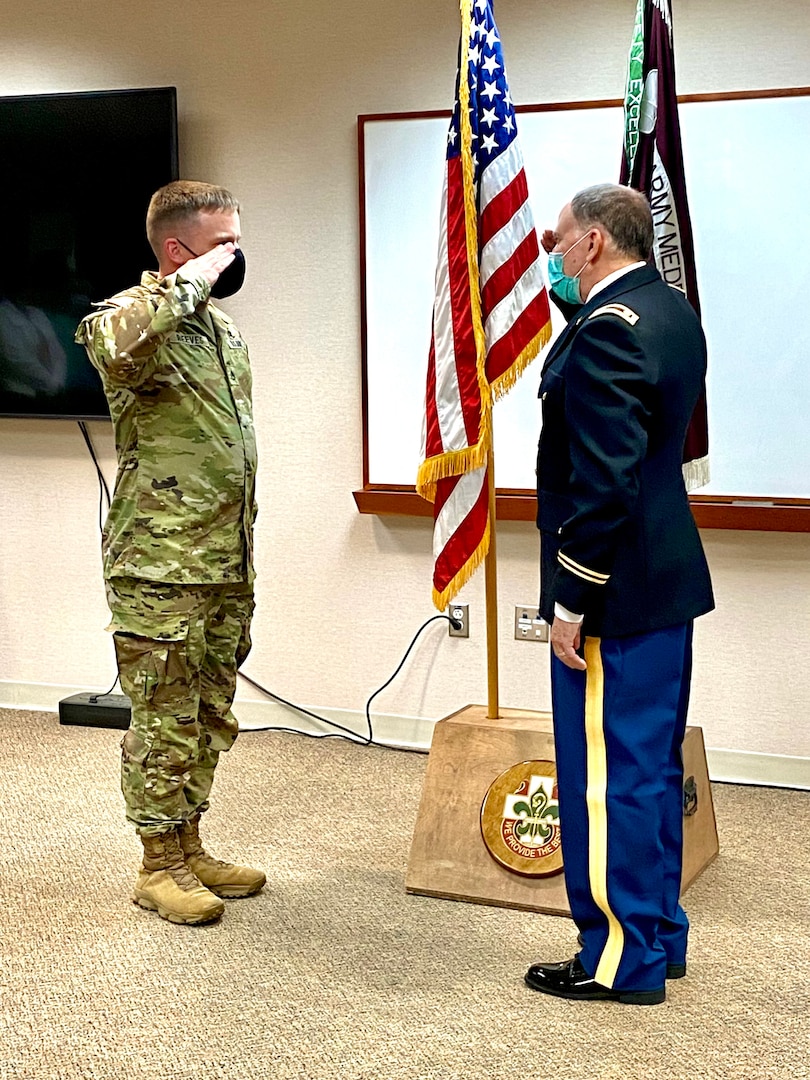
x=653, y=163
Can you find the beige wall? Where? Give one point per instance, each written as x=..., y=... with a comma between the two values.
x=268, y=95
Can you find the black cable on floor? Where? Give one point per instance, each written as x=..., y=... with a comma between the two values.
x=456, y=626
x=348, y=734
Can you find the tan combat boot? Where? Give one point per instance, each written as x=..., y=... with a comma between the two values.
x=223, y=878
x=167, y=886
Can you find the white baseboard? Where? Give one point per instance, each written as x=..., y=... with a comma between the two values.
x=765, y=770
x=415, y=733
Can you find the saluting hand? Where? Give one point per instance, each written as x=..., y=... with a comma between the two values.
x=211, y=264
x=548, y=240
x=565, y=638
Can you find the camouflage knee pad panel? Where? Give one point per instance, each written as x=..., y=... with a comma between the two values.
x=178, y=648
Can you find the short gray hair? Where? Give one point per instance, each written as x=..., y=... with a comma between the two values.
x=622, y=212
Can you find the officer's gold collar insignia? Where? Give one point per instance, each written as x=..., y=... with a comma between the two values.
x=616, y=309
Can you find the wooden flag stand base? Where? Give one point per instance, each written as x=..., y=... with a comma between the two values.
x=448, y=855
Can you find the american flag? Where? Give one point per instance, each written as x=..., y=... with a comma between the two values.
x=491, y=314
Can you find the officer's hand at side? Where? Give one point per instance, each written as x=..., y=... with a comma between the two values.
x=211, y=264
x=564, y=639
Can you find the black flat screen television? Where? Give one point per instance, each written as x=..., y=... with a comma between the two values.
x=76, y=175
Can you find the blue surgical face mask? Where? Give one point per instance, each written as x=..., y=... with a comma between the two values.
x=567, y=288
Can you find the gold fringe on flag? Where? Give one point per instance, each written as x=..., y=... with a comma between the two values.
x=442, y=466
x=504, y=383
x=454, y=587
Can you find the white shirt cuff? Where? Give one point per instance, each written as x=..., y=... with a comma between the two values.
x=566, y=615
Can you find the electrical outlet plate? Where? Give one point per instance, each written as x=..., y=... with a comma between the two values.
x=461, y=613
x=528, y=624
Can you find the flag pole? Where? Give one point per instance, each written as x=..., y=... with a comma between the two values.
x=491, y=571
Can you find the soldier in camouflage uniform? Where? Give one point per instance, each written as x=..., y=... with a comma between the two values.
x=177, y=544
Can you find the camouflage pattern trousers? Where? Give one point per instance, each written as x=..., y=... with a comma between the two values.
x=178, y=649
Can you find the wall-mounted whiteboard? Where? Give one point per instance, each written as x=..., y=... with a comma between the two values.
x=747, y=163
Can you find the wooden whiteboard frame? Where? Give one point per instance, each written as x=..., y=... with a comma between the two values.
x=519, y=504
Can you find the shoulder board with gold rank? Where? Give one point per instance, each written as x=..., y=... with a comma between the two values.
x=623, y=312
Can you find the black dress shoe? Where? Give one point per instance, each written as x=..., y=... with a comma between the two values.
x=674, y=971
x=570, y=980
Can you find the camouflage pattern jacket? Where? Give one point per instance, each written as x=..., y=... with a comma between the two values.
x=177, y=379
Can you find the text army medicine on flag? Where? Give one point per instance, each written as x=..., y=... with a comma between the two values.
x=491, y=314
x=653, y=163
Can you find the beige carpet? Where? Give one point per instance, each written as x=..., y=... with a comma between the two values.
x=334, y=972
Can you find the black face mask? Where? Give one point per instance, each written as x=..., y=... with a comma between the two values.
x=231, y=279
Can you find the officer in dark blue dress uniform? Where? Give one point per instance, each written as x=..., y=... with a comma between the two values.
x=623, y=576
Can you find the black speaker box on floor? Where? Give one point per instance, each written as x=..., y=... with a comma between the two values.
x=96, y=710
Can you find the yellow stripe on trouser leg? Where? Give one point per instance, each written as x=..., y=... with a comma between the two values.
x=596, y=801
